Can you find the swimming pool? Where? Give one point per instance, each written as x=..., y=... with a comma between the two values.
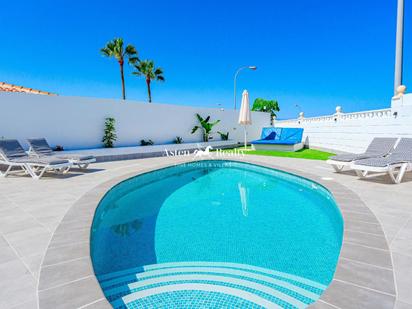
x=216, y=234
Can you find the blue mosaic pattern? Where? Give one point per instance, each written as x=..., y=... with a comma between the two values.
x=274, y=300
x=123, y=286
x=273, y=286
x=192, y=299
x=132, y=278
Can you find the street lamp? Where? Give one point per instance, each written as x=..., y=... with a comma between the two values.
x=399, y=45
x=251, y=67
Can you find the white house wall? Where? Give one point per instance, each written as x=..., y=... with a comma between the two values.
x=78, y=122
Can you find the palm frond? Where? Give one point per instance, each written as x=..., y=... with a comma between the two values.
x=199, y=118
x=113, y=48
x=131, y=54
x=106, y=52
x=133, y=60
x=130, y=50
x=195, y=129
x=146, y=68
x=158, y=71
x=159, y=74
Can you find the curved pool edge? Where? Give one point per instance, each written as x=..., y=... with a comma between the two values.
x=70, y=246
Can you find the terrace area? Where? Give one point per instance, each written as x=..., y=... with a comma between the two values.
x=118, y=203
x=45, y=227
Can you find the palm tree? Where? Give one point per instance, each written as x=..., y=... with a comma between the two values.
x=115, y=49
x=146, y=68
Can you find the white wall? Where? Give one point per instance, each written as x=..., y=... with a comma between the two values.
x=352, y=132
x=78, y=122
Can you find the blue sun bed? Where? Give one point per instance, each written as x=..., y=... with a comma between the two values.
x=283, y=139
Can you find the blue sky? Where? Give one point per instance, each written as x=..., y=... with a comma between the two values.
x=317, y=54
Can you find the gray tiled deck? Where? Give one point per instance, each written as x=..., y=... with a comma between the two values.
x=31, y=214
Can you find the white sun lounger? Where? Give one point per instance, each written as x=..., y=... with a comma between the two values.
x=39, y=147
x=395, y=164
x=379, y=147
x=12, y=155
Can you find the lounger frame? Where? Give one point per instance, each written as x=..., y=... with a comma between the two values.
x=10, y=165
x=82, y=164
x=35, y=170
x=371, y=152
x=395, y=171
x=338, y=166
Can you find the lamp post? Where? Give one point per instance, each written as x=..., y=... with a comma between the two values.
x=251, y=67
x=399, y=45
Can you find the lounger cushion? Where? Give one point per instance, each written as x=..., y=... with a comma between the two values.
x=378, y=162
x=292, y=135
x=40, y=161
x=75, y=157
x=379, y=147
x=349, y=157
x=386, y=161
x=268, y=131
x=40, y=146
x=274, y=142
x=404, y=147
x=280, y=136
x=11, y=149
x=271, y=136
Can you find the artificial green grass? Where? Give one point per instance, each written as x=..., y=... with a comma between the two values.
x=311, y=154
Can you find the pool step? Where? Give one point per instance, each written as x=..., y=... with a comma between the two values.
x=252, y=286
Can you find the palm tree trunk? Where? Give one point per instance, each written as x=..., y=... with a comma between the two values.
x=122, y=77
x=149, y=92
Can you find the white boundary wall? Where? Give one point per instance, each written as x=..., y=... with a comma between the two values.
x=352, y=132
x=78, y=122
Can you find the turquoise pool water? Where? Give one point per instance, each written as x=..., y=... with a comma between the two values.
x=215, y=234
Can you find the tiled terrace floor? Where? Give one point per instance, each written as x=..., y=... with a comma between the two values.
x=31, y=210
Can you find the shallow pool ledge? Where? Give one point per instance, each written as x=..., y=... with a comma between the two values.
x=363, y=278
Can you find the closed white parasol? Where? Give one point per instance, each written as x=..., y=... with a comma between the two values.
x=245, y=116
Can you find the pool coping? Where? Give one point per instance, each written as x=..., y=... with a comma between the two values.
x=364, y=275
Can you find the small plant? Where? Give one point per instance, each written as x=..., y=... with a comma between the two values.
x=109, y=133
x=206, y=126
x=146, y=143
x=223, y=136
x=178, y=140
x=58, y=148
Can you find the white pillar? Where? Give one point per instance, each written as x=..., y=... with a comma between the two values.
x=399, y=46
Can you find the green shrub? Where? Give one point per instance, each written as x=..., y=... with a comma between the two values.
x=109, y=136
x=223, y=136
x=146, y=143
x=178, y=140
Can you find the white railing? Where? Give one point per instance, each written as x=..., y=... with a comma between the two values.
x=339, y=115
